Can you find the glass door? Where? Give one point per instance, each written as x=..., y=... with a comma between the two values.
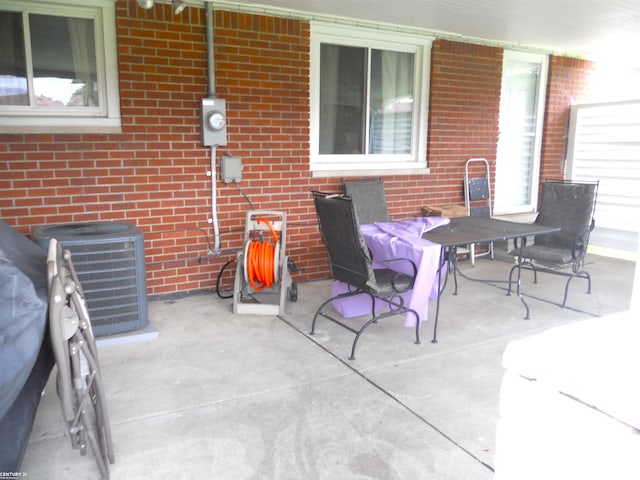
x=522, y=98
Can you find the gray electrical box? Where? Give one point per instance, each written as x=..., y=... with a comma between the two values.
x=230, y=168
x=213, y=120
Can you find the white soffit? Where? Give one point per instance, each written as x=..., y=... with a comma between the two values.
x=579, y=28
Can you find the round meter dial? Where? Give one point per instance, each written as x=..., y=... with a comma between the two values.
x=216, y=120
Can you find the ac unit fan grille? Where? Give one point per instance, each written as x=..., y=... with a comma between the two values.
x=111, y=272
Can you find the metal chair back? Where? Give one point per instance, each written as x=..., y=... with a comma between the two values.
x=569, y=205
x=369, y=199
x=349, y=257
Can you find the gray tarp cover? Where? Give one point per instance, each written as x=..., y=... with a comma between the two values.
x=23, y=308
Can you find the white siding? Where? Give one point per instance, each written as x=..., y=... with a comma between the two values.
x=604, y=144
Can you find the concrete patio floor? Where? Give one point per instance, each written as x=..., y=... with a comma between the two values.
x=224, y=396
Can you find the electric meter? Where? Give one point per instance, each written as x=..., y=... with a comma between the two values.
x=213, y=122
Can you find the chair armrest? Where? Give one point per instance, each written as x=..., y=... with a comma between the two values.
x=581, y=241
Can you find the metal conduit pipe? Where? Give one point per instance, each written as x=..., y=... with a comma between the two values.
x=211, y=73
x=209, y=19
x=214, y=205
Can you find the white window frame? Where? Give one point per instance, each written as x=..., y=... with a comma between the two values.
x=103, y=119
x=542, y=61
x=371, y=164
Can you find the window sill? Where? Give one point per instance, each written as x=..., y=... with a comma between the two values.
x=369, y=173
x=79, y=125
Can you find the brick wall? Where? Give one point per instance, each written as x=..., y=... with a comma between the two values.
x=154, y=174
x=569, y=82
x=262, y=70
x=463, y=115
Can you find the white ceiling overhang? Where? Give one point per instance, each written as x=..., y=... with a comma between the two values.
x=591, y=29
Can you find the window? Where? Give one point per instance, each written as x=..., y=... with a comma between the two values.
x=522, y=105
x=369, y=92
x=58, y=67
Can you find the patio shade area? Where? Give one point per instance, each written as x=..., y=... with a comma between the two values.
x=225, y=396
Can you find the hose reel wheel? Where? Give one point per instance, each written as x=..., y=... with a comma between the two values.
x=261, y=260
x=276, y=262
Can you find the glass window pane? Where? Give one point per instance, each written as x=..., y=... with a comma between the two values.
x=342, y=99
x=64, y=61
x=391, y=109
x=13, y=70
x=516, y=144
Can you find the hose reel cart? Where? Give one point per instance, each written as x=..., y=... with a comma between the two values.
x=262, y=281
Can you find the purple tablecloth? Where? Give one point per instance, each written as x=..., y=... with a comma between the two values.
x=401, y=239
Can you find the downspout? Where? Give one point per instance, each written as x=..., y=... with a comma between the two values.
x=211, y=91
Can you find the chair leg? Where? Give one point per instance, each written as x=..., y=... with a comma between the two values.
x=355, y=341
x=582, y=274
x=395, y=308
x=472, y=252
x=320, y=312
x=94, y=430
x=511, y=277
x=98, y=398
x=77, y=429
x=452, y=261
x=510, y=280
x=375, y=320
x=566, y=291
x=315, y=316
x=525, y=265
x=95, y=389
x=415, y=314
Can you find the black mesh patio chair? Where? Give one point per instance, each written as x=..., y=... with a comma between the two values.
x=570, y=206
x=368, y=199
x=78, y=381
x=351, y=263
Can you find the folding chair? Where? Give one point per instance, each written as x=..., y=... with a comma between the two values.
x=369, y=199
x=570, y=206
x=477, y=198
x=351, y=263
x=78, y=382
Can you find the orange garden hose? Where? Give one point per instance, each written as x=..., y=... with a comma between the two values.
x=260, y=260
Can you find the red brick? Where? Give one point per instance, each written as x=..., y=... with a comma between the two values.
x=154, y=173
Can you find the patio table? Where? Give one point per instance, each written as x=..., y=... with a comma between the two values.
x=431, y=243
x=462, y=231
